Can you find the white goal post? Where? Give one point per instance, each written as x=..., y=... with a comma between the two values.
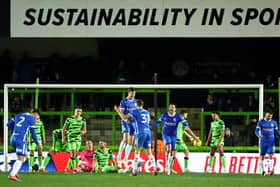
x=260, y=87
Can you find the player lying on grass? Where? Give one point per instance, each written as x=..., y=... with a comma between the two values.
x=102, y=158
x=216, y=134
x=143, y=139
x=19, y=125
x=32, y=147
x=170, y=120
x=86, y=158
x=58, y=146
x=265, y=131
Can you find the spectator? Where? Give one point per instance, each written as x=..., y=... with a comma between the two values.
x=121, y=76
x=269, y=81
x=210, y=103
x=16, y=105
x=229, y=138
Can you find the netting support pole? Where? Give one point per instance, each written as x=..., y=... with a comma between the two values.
x=155, y=108
x=5, y=128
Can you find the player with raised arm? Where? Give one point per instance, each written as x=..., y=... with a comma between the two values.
x=86, y=158
x=57, y=146
x=75, y=127
x=180, y=144
x=20, y=125
x=265, y=131
x=143, y=137
x=32, y=147
x=170, y=120
x=216, y=135
x=127, y=105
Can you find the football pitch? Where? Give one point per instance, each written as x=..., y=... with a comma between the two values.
x=143, y=179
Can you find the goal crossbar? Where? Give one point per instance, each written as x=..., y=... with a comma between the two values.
x=260, y=87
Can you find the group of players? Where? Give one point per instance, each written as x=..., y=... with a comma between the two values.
x=136, y=129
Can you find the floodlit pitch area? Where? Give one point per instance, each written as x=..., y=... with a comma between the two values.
x=143, y=179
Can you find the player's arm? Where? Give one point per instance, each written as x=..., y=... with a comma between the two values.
x=121, y=114
x=111, y=157
x=54, y=139
x=11, y=124
x=66, y=125
x=29, y=137
x=208, y=138
x=188, y=135
x=276, y=131
x=43, y=133
x=157, y=122
x=187, y=128
x=84, y=130
x=34, y=136
x=258, y=130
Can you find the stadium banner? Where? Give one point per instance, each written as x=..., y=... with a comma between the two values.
x=246, y=163
x=146, y=18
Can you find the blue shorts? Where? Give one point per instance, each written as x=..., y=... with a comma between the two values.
x=128, y=128
x=19, y=146
x=267, y=148
x=143, y=140
x=169, y=140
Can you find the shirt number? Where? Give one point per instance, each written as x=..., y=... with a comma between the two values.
x=145, y=118
x=22, y=119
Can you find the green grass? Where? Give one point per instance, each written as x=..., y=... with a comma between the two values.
x=142, y=180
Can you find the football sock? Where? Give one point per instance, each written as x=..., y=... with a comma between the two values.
x=16, y=167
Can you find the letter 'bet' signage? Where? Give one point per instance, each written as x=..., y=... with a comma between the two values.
x=145, y=18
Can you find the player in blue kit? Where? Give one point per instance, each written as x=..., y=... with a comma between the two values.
x=20, y=126
x=143, y=139
x=127, y=105
x=170, y=121
x=265, y=131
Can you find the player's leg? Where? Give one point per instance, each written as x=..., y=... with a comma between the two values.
x=147, y=145
x=167, y=143
x=40, y=159
x=48, y=158
x=125, y=131
x=263, y=150
x=222, y=157
x=129, y=145
x=109, y=169
x=32, y=148
x=77, y=158
x=270, y=152
x=139, y=141
x=71, y=161
x=173, y=154
x=21, y=152
x=211, y=159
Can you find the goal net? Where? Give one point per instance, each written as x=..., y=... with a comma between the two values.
x=57, y=101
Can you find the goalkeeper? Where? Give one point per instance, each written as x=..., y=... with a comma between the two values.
x=180, y=144
x=101, y=160
x=40, y=132
x=58, y=146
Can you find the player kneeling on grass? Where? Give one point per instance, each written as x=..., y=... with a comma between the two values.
x=40, y=132
x=86, y=158
x=101, y=160
x=265, y=131
x=58, y=146
x=143, y=139
x=216, y=134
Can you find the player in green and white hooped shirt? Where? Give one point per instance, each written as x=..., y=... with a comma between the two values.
x=40, y=132
x=216, y=134
x=75, y=127
x=101, y=160
x=180, y=144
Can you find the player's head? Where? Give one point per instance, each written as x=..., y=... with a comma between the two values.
x=102, y=144
x=89, y=144
x=268, y=115
x=131, y=93
x=78, y=111
x=139, y=103
x=184, y=114
x=172, y=108
x=35, y=113
x=215, y=116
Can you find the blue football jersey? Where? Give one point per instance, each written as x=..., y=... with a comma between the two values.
x=141, y=117
x=267, y=129
x=127, y=106
x=170, y=123
x=20, y=126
